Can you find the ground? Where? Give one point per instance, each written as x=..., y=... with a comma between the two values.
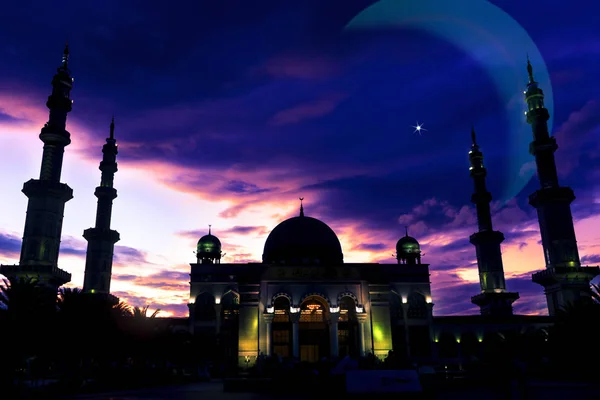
x=213, y=391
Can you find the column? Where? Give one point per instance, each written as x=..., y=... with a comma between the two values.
x=295, y=318
x=218, y=319
x=459, y=351
x=249, y=321
x=268, y=317
x=362, y=318
x=192, y=319
x=334, y=317
x=434, y=355
x=406, y=330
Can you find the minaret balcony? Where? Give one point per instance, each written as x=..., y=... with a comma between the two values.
x=548, y=195
x=49, y=135
x=106, y=191
x=98, y=234
x=46, y=273
x=35, y=188
x=573, y=275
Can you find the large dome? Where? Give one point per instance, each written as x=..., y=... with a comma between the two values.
x=302, y=240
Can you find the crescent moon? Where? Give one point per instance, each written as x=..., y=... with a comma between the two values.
x=473, y=25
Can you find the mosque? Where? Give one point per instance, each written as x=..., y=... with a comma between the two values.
x=303, y=300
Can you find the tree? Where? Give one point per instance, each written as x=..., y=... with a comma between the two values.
x=140, y=313
x=27, y=309
x=575, y=335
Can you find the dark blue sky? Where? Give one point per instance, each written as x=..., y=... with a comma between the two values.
x=274, y=89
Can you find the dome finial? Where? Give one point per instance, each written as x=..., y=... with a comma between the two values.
x=301, y=207
x=209, y=226
x=406, y=230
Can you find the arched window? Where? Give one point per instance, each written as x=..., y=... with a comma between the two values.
x=229, y=334
x=348, y=328
x=396, y=312
x=417, y=306
x=204, y=309
x=282, y=327
x=230, y=303
x=281, y=307
x=312, y=310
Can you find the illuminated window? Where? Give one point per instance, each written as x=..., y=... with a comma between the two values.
x=312, y=311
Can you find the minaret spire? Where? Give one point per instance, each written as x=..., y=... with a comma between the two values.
x=101, y=239
x=301, y=207
x=530, y=71
x=47, y=196
x=209, y=226
x=493, y=300
x=564, y=280
x=112, y=128
x=65, y=57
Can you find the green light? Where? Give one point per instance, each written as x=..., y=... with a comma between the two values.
x=377, y=333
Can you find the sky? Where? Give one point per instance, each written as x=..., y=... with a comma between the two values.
x=228, y=111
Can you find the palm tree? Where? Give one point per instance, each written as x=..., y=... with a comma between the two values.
x=595, y=293
x=140, y=313
x=26, y=306
x=576, y=332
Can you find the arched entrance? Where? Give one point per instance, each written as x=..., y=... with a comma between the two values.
x=205, y=333
x=314, y=329
x=348, y=328
x=230, y=303
x=282, y=328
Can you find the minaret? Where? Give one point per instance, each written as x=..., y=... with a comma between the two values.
x=564, y=280
x=47, y=196
x=493, y=300
x=101, y=239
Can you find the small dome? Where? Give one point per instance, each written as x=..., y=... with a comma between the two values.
x=408, y=250
x=209, y=246
x=303, y=240
x=408, y=245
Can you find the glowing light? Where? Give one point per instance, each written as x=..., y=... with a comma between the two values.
x=480, y=340
x=360, y=309
x=419, y=128
x=294, y=310
x=313, y=307
x=270, y=310
x=436, y=340
x=377, y=333
x=404, y=300
x=334, y=310
x=457, y=340
x=218, y=300
x=428, y=299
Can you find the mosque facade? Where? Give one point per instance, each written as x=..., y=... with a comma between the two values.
x=303, y=300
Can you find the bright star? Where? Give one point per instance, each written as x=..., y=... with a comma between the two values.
x=419, y=128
